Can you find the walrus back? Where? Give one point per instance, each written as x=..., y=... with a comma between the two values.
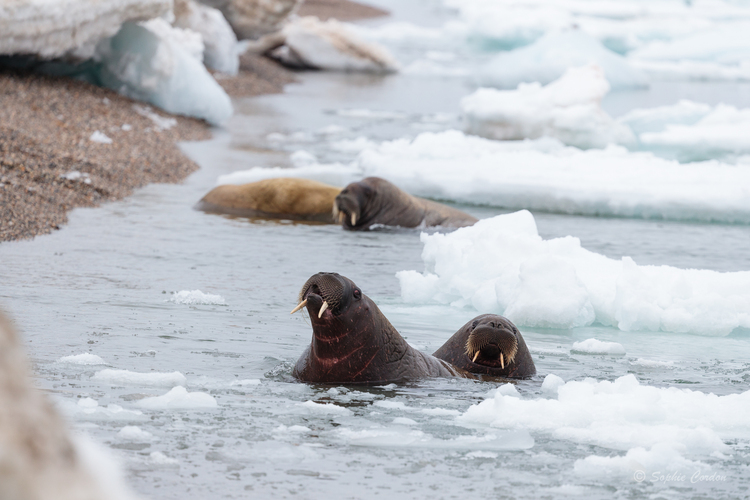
x=299, y=199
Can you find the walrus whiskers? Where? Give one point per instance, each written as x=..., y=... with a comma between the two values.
x=322, y=309
x=299, y=306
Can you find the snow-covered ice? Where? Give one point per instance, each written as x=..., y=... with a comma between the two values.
x=547, y=59
x=158, y=63
x=594, y=346
x=657, y=427
x=126, y=377
x=178, y=398
x=568, y=109
x=502, y=265
x=82, y=359
x=196, y=297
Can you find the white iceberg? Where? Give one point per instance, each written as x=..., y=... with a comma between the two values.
x=547, y=59
x=568, y=109
x=502, y=265
x=150, y=62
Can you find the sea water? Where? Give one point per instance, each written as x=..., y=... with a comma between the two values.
x=165, y=334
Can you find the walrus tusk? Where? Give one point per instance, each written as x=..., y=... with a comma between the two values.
x=354, y=219
x=323, y=309
x=502, y=361
x=475, y=357
x=299, y=306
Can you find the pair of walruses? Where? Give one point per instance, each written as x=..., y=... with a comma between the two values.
x=360, y=205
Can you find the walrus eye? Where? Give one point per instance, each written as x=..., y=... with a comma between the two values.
x=474, y=325
x=357, y=294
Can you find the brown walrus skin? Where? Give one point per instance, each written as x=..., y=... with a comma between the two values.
x=354, y=343
x=280, y=198
x=478, y=346
x=373, y=200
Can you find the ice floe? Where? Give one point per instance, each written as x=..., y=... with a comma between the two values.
x=160, y=64
x=178, y=398
x=126, y=377
x=547, y=59
x=594, y=346
x=657, y=427
x=568, y=109
x=88, y=409
x=502, y=265
x=82, y=359
x=196, y=297
x=135, y=434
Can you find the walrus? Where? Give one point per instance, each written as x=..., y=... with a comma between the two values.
x=373, y=200
x=354, y=343
x=489, y=345
x=281, y=198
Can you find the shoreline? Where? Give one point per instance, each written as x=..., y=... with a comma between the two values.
x=66, y=144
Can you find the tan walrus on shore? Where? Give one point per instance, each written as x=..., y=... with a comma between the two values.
x=281, y=198
x=38, y=459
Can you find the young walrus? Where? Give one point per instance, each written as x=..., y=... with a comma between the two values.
x=374, y=201
x=280, y=198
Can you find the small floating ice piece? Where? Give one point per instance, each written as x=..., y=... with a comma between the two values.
x=568, y=109
x=594, y=346
x=547, y=59
x=82, y=359
x=179, y=399
x=196, y=297
x=325, y=408
x=126, y=377
x=135, y=434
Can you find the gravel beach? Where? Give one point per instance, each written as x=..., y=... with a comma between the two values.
x=67, y=144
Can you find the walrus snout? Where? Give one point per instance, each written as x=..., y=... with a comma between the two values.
x=346, y=208
x=330, y=291
x=492, y=343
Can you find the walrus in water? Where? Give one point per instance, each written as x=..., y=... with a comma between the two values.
x=281, y=198
x=373, y=200
x=489, y=345
x=354, y=343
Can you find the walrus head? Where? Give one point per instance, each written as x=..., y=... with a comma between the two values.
x=492, y=342
x=327, y=292
x=489, y=345
x=349, y=207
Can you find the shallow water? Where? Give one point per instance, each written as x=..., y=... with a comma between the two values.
x=103, y=283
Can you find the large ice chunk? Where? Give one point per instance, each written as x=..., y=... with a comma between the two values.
x=547, y=59
x=150, y=62
x=545, y=175
x=221, y=51
x=502, y=265
x=568, y=109
x=656, y=425
x=57, y=28
x=331, y=45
